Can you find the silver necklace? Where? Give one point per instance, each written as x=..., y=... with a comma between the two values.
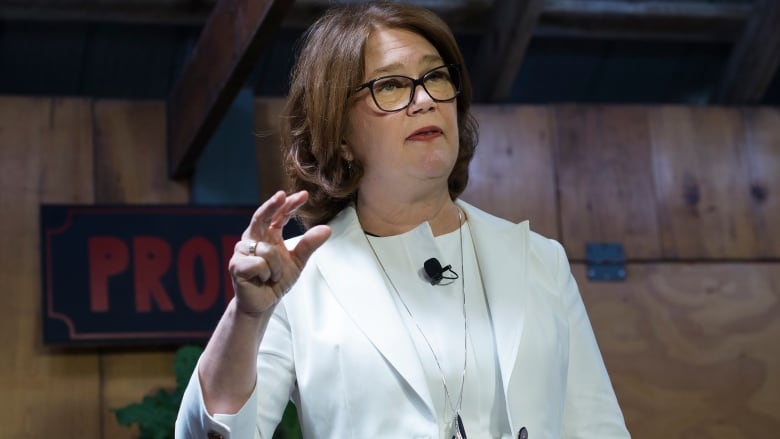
x=456, y=428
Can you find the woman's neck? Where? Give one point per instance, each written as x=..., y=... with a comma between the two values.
x=388, y=215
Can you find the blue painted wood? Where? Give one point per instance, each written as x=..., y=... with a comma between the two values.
x=226, y=173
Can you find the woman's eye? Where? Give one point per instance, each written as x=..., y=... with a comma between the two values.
x=437, y=76
x=388, y=85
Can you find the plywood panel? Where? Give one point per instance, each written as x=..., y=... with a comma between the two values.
x=700, y=166
x=132, y=168
x=512, y=174
x=130, y=155
x=692, y=349
x=271, y=176
x=605, y=181
x=45, y=156
x=762, y=127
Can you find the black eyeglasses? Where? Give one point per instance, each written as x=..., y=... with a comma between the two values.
x=395, y=92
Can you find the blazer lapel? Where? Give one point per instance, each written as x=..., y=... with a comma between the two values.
x=351, y=272
x=502, y=256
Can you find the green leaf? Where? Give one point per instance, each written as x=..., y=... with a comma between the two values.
x=156, y=414
x=184, y=364
x=289, y=427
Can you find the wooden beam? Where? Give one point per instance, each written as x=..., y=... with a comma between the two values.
x=503, y=47
x=755, y=58
x=644, y=19
x=614, y=19
x=229, y=45
x=463, y=16
x=109, y=11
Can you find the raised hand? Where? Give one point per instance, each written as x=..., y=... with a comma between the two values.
x=262, y=267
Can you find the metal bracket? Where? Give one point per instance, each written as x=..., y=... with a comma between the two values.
x=606, y=261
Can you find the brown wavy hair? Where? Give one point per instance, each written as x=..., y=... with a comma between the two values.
x=329, y=66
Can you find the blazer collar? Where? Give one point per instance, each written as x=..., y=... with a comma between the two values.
x=351, y=271
x=353, y=276
x=502, y=250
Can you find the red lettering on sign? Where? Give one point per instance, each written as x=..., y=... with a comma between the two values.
x=107, y=256
x=151, y=260
x=192, y=249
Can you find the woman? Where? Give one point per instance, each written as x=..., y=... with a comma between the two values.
x=366, y=337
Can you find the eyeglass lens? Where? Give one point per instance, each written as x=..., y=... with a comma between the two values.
x=395, y=92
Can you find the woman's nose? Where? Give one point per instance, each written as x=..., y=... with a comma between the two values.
x=421, y=100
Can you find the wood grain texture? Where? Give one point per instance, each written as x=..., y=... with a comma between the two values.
x=130, y=156
x=700, y=165
x=762, y=128
x=605, y=182
x=512, y=174
x=692, y=348
x=132, y=168
x=45, y=156
x=270, y=171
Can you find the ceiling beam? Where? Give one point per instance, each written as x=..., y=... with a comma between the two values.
x=503, y=48
x=644, y=19
x=228, y=48
x=754, y=59
x=617, y=19
x=178, y=12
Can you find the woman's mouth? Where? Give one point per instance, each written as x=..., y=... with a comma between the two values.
x=425, y=133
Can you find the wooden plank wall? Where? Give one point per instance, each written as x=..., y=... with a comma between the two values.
x=46, y=156
x=130, y=168
x=693, y=194
x=71, y=151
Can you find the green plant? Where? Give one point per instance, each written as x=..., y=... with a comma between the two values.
x=289, y=428
x=156, y=414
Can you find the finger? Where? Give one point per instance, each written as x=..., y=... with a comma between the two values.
x=263, y=217
x=291, y=205
x=246, y=247
x=273, y=259
x=311, y=241
x=250, y=268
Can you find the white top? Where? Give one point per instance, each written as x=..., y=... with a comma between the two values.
x=438, y=310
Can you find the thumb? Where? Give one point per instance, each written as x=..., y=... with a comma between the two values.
x=311, y=241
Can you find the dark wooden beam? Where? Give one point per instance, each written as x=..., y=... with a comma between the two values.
x=615, y=19
x=163, y=12
x=755, y=58
x=228, y=48
x=463, y=16
x=644, y=19
x=503, y=47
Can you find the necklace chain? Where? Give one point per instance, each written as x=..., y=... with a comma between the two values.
x=427, y=342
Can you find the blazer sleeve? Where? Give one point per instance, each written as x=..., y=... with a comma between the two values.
x=590, y=407
x=195, y=422
x=261, y=413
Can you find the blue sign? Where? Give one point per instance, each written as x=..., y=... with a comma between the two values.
x=136, y=274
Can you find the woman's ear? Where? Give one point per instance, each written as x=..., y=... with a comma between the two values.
x=345, y=151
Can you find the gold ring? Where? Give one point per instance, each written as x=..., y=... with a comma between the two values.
x=252, y=247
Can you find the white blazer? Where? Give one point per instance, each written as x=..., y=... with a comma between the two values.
x=337, y=348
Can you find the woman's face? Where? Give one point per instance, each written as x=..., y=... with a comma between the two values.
x=413, y=147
